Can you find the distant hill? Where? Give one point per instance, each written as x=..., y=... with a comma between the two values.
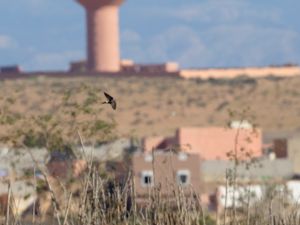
x=157, y=106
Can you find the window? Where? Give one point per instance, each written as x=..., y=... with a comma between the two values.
x=183, y=177
x=147, y=178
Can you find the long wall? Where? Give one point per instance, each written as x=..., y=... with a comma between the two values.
x=255, y=72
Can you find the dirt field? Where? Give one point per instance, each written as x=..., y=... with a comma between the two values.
x=157, y=106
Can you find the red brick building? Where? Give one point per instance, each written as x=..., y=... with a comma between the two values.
x=166, y=171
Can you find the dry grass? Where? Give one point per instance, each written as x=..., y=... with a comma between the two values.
x=106, y=201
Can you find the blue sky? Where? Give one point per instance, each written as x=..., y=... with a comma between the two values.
x=48, y=34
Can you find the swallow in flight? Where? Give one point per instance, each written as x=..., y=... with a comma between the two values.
x=110, y=100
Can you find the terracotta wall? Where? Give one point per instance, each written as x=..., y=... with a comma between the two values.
x=254, y=72
x=214, y=142
x=210, y=143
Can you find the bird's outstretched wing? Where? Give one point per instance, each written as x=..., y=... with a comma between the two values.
x=114, y=104
x=109, y=98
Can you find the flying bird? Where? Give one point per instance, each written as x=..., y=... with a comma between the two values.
x=110, y=100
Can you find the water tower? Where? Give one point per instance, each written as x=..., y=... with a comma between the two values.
x=103, y=52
